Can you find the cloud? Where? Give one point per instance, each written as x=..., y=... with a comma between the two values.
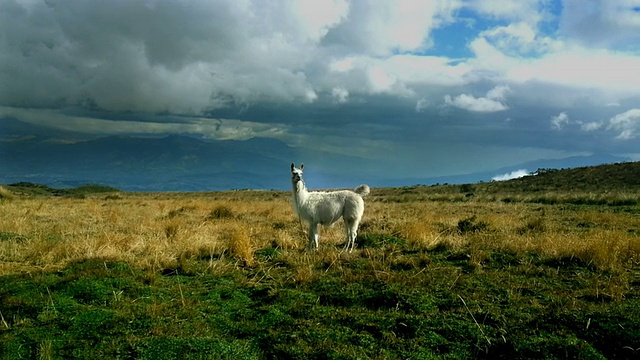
x=601, y=23
x=382, y=28
x=512, y=175
x=168, y=57
x=402, y=75
x=422, y=105
x=520, y=38
x=498, y=93
x=316, y=18
x=582, y=68
x=492, y=102
x=591, y=126
x=340, y=95
x=471, y=103
x=524, y=10
x=559, y=121
x=311, y=68
x=161, y=56
x=520, y=54
x=219, y=129
x=627, y=124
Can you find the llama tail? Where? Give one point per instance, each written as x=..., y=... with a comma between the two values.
x=362, y=190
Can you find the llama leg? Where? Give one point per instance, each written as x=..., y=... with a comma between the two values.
x=348, y=235
x=346, y=245
x=313, y=236
x=354, y=235
x=351, y=228
x=348, y=242
x=354, y=232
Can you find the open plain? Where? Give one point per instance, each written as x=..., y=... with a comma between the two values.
x=493, y=270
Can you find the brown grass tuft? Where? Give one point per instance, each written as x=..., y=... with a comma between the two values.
x=419, y=235
x=221, y=212
x=239, y=243
x=284, y=240
x=5, y=194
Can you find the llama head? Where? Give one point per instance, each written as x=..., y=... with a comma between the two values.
x=296, y=174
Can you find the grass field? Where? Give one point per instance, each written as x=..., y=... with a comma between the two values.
x=440, y=272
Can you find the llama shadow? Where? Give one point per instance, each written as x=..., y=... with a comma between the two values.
x=370, y=240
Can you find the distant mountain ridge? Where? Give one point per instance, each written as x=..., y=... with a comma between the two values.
x=65, y=159
x=149, y=164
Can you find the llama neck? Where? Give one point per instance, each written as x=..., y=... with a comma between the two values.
x=300, y=193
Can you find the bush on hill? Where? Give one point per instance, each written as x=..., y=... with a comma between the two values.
x=29, y=188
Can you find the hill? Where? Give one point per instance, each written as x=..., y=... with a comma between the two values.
x=611, y=184
x=28, y=188
x=608, y=177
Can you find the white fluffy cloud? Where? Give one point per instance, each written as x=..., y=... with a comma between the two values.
x=624, y=126
x=340, y=94
x=523, y=10
x=559, y=121
x=520, y=38
x=591, y=126
x=627, y=124
x=520, y=53
x=493, y=101
x=381, y=28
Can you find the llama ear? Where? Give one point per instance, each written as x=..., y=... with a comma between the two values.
x=301, y=166
x=293, y=166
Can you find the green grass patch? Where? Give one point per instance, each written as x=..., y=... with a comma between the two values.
x=373, y=240
x=9, y=236
x=515, y=306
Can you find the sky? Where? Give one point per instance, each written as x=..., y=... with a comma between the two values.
x=420, y=88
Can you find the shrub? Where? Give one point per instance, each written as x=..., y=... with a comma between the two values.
x=534, y=225
x=171, y=230
x=6, y=194
x=471, y=224
x=91, y=189
x=221, y=212
x=176, y=212
x=467, y=189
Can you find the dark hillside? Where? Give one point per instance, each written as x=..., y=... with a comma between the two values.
x=609, y=177
x=611, y=184
x=32, y=189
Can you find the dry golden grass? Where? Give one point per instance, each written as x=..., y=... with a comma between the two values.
x=160, y=231
x=5, y=194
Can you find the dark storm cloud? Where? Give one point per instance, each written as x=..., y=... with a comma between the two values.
x=142, y=56
x=351, y=77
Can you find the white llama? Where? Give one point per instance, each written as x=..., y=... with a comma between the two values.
x=322, y=207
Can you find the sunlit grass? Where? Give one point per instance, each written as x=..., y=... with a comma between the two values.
x=156, y=231
x=445, y=274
